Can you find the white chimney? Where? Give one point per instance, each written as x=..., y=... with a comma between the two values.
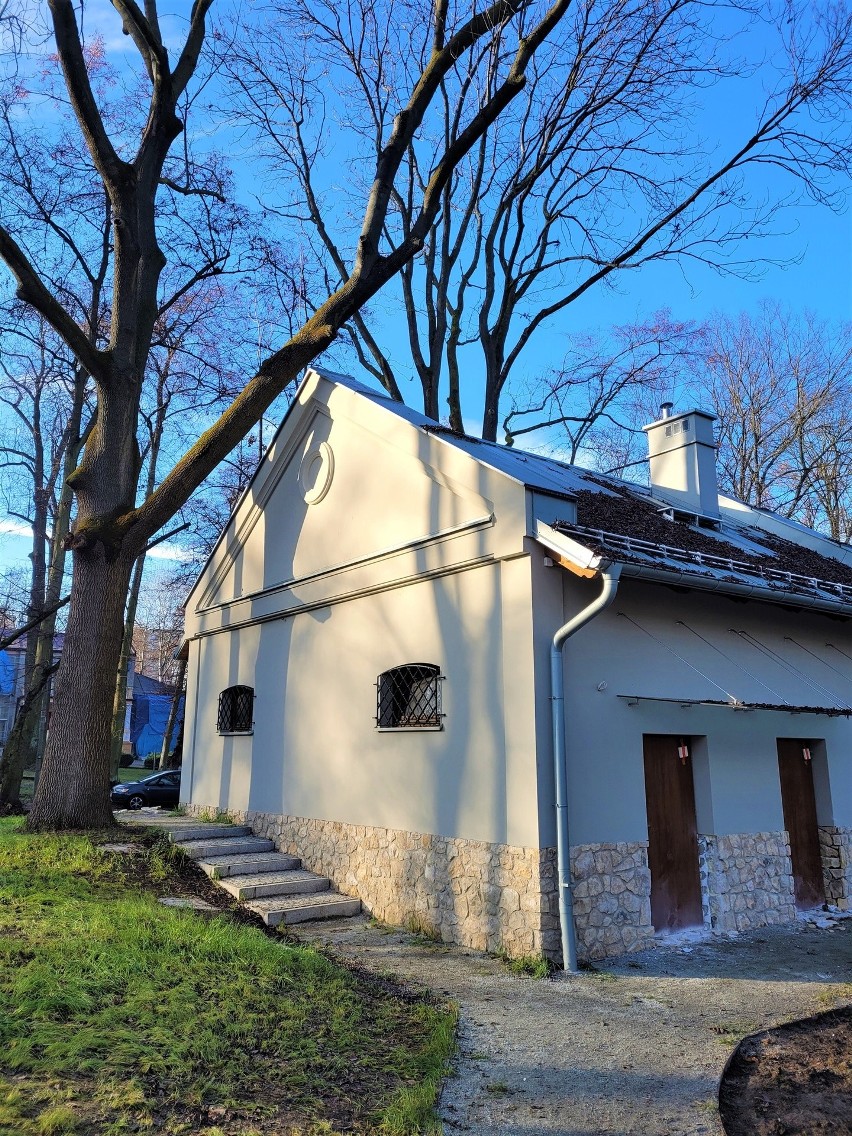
x=682, y=455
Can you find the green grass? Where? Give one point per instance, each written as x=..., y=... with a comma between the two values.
x=120, y=1015
x=528, y=966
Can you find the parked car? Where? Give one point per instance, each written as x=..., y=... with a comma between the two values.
x=158, y=789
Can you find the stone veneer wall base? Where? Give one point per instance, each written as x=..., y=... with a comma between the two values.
x=490, y=897
x=493, y=897
x=746, y=880
x=835, y=845
x=612, y=898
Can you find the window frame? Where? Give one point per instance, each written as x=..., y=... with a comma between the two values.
x=389, y=719
x=225, y=726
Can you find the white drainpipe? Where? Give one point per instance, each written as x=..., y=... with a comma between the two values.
x=560, y=761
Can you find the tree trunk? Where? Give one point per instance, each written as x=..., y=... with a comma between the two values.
x=19, y=751
x=37, y=602
x=29, y=728
x=173, y=713
x=73, y=789
x=119, y=709
x=21, y=748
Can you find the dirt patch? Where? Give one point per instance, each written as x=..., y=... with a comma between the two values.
x=635, y=1047
x=795, y=1080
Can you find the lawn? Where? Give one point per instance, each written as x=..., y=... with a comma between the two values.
x=119, y=1015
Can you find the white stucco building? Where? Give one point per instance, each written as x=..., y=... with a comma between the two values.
x=369, y=682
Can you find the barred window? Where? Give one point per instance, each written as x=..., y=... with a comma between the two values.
x=409, y=697
x=236, y=710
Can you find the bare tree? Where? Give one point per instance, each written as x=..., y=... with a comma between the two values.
x=829, y=503
x=159, y=626
x=592, y=172
x=14, y=590
x=602, y=385
x=111, y=530
x=779, y=384
x=43, y=395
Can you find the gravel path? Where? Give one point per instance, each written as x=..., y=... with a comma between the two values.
x=637, y=1046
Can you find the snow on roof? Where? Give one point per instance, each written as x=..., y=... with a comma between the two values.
x=629, y=523
x=533, y=470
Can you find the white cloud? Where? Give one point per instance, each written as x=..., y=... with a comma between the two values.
x=14, y=528
x=166, y=551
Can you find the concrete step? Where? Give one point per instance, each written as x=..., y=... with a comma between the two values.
x=248, y=864
x=153, y=819
x=178, y=835
x=270, y=883
x=229, y=846
x=302, y=908
x=293, y=882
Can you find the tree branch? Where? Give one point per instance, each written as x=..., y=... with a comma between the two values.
x=166, y=536
x=32, y=290
x=111, y=168
x=185, y=68
x=40, y=618
x=193, y=191
x=409, y=119
x=135, y=24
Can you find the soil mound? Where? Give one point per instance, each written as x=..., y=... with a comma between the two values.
x=795, y=1080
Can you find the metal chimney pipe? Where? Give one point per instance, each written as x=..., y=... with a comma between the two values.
x=666, y=409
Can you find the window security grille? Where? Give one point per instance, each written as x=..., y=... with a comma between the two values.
x=409, y=696
x=236, y=710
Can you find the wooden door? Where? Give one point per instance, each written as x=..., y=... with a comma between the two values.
x=672, y=835
x=800, y=820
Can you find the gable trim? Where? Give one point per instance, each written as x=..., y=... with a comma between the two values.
x=485, y=521
x=352, y=594
x=243, y=530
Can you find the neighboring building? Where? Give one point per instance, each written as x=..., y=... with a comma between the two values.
x=150, y=707
x=13, y=686
x=370, y=666
x=12, y=676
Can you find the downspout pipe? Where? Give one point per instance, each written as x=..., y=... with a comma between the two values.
x=610, y=579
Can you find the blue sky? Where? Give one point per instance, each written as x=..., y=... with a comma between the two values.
x=815, y=248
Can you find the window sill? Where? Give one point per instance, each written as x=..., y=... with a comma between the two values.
x=409, y=729
x=235, y=733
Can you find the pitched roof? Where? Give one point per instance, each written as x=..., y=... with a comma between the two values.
x=145, y=684
x=622, y=522
x=628, y=525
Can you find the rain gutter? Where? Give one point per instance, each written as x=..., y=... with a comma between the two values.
x=610, y=576
x=732, y=587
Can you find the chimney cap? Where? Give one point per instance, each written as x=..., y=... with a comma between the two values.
x=666, y=418
x=666, y=409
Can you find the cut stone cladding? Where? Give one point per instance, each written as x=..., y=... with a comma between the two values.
x=612, y=898
x=493, y=897
x=835, y=845
x=490, y=897
x=746, y=880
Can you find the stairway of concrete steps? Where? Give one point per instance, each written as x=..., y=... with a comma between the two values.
x=273, y=885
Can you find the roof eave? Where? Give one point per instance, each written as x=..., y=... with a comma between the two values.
x=756, y=591
x=583, y=561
